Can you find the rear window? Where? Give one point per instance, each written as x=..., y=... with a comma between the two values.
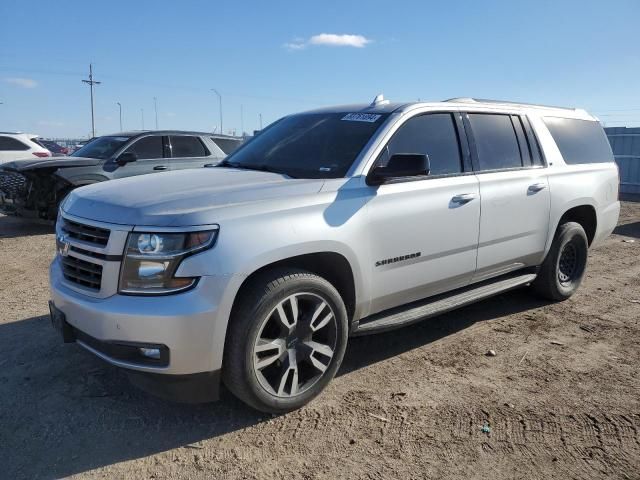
x=579, y=141
x=228, y=146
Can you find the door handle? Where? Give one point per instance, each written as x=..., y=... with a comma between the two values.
x=463, y=198
x=160, y=167
x=536, y=187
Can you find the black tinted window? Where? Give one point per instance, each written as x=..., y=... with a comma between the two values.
x=8, y=143
x=580, y=141
x=183, y=146
x=147, y=147
x=312, y=145
x=496, y=141
x=434, y=135
x=227, y=145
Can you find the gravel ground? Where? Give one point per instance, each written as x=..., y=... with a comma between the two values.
x=561, y=399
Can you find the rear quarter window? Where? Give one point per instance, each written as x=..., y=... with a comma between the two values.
x=579, y=141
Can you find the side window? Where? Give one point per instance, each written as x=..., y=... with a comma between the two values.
x=432, y=134
x=8, y=143
x=534, y=147
x=226, y=145
x=185, y=146
x=525, y=150
x=579, y=141
x=496, y=141
x=147, y=147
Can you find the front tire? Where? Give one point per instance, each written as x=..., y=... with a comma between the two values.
x=286, y=339
x=563, y=269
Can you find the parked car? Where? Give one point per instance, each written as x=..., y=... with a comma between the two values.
x=55, y=149
x=35, y=188
x=336, y=222
x=14, y=146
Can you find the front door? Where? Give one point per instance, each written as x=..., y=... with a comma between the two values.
x=423, y=233
x=150, y=158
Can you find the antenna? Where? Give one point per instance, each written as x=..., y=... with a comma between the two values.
x=379, y=100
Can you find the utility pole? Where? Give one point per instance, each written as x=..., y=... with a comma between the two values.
x=219, y=100
x=155, y=106
x=91, y=82
x=241, y=121
x=260, y=118
x=120, y=107
x=142, y=115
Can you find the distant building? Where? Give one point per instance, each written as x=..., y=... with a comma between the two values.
x=625, y=143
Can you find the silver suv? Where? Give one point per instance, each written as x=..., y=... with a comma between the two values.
x=332, y=223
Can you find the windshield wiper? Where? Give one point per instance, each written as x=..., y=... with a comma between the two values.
x=258, y=167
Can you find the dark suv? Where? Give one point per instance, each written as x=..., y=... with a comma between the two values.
x=35, y=188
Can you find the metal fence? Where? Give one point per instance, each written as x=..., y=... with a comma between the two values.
x=625, y=143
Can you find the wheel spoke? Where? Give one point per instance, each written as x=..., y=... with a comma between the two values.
x=290, y=370
x=318, y=324
x=325, y=352
x=288, y=323
x=275, y=347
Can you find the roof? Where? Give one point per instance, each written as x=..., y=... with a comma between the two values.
x=133, y=133
x=459, y=102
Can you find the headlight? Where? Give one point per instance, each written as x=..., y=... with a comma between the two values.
x=151, y=260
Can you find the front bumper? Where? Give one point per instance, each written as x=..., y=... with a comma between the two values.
x=185, y=323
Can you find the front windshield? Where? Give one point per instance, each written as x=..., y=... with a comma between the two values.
x=101, y=147
x=315, y=145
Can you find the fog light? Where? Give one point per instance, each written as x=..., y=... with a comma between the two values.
x=150, y=352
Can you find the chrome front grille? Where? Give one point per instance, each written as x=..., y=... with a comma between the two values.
x=81, y=272
x=12, y=184
x=90, y=254
x=85, y=233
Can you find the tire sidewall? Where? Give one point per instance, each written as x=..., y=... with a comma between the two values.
x=309, y=284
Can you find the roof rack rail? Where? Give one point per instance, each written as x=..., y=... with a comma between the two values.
x=501, y=102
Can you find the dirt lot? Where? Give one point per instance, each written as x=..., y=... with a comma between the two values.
x=560, y=400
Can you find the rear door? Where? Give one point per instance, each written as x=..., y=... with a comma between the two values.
x=151, y=158
x=514, y=193
x=424, y=230
x=188, y=151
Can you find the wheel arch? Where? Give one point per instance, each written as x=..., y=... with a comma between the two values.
x=585, y=215
x=332, y=266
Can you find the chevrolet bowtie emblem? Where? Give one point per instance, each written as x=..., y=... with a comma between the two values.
x=63, y=245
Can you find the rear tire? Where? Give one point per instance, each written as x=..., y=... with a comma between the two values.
x=563, y=269
x=286, y=339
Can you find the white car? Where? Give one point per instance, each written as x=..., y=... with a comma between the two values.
x=17, y=146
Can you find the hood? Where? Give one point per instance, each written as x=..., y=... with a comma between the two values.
x=181, y=198
x=50, y=162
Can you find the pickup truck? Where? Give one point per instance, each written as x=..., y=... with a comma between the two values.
x=328, y=224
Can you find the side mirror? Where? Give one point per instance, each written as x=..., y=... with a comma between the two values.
x=127, y=157
x=400, y=165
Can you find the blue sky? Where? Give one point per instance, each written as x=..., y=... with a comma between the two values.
x=274, y=58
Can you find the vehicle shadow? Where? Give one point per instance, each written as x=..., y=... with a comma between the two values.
x=63, y=411
x=12, y=227
x=628, y=229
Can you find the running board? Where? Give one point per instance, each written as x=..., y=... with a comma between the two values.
x=415, y=312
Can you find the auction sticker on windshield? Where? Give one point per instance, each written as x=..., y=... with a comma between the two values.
x=361, y=117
